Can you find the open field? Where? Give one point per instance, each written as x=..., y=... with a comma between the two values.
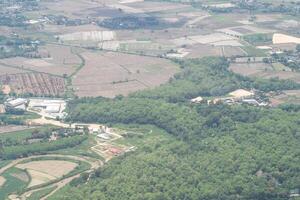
x=95, y=36
x=13, y=128
x=251, y=69
x=4, y=70
x=288, y=96
x=283, y=39
x=2, y=181
x=56, y=59
x=34, y=83
x=264, y=70
x=109, y=74
x=46, y=170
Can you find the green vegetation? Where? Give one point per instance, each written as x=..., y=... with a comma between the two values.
x=41, y=193
x=254, y=52
x=228, y=154
x=259, y=38
x=205, y=152
x=83, y=149
x=13, y=152
x=12, y=184
x=18, y=137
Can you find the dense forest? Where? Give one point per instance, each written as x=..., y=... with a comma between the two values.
x=214, y=152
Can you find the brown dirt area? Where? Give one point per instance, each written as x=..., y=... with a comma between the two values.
x=251, y=69
x=109, y=74
x=2, y=181
x=56, y=59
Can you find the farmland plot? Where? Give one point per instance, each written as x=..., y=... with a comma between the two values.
x=57, y=60
x=34, y=83
x=250, y=69
x=96, y=36
x=46, y=170
x=110, y=74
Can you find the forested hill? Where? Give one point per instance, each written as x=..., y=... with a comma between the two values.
x=213, y=152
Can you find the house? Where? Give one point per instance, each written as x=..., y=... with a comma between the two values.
x=197, y=100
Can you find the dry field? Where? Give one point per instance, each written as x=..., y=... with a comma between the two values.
x=109, y=74
x=251, y=69
x=283, y=39
x=4, y=70
x=215, y=39
x=96, y=36
x=57, y=60
x=288, y=96
x=62, y=29
x=69, y=8
x=263, y=70
x=13, y=128
x=46, y=170
x=294, y=76
x=149, y=7
x=2, y=181
x=34, y=83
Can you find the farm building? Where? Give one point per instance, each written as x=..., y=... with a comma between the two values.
x=16, y=102
x=48, y=105
x=55, y=108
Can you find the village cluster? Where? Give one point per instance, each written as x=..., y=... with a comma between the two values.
x=239, y=96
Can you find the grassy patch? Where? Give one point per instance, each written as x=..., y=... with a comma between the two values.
x=12, y=184
x=252, y=51
x=41, y=193
x=84, y=149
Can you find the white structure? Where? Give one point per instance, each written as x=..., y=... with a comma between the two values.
x=55, y=108
x=104, y=136
x=197, y=100
x=16, y=102
x=52, y=108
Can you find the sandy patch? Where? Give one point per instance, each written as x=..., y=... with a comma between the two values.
x=6, y=89
x=2, y=181
x=282, y=39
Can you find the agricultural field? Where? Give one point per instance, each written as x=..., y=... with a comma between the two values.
x=251, y=69
x=110, y=74
x=55, y=60
x=45, y=171
x=38, y=84
x=115, y=49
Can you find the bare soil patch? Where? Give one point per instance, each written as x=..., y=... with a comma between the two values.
x=109, y=74
x=56, y=59
x=2, y=181
x=251, y=69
